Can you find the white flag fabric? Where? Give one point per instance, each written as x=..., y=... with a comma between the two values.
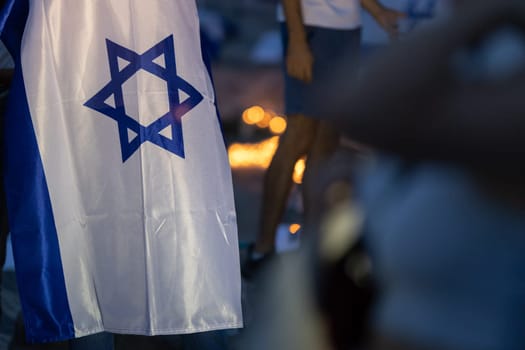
x=119, y=189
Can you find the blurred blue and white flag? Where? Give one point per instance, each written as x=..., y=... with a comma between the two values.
x=120, y=195
x=418, y=14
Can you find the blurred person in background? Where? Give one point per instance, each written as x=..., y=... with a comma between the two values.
x=444, y=200
x=316, y=35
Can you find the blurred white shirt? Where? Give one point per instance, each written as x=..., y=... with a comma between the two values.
x=334, y=14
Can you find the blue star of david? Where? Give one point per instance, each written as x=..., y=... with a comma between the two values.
x=172, y=119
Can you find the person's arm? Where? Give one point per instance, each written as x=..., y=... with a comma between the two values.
x=409, y=101
x=299, y=59
x=387, y=18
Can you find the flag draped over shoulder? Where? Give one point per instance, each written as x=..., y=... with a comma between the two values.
x=119, y=190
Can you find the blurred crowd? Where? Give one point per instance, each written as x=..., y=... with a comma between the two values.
x=415, y=230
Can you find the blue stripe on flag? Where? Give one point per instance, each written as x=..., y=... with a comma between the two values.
x=11, y=28
x=36, y=250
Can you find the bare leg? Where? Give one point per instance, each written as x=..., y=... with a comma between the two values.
x=324, y=146
x=293, y=144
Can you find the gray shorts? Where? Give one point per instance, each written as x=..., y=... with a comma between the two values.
x=328, y=46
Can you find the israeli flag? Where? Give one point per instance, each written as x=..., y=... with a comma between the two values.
x=119, y=189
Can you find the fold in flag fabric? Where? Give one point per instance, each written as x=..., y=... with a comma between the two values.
x=119, y=190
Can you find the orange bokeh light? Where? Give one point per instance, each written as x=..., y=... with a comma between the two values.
x=294, y=228
x=265, y=121
x=253, y=155
x=277, y=125
x=298, y=170
x=253, y=115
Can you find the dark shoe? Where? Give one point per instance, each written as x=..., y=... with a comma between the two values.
x=252, y=267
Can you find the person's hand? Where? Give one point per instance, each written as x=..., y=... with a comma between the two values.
x=389, y=19
x=299, y=61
